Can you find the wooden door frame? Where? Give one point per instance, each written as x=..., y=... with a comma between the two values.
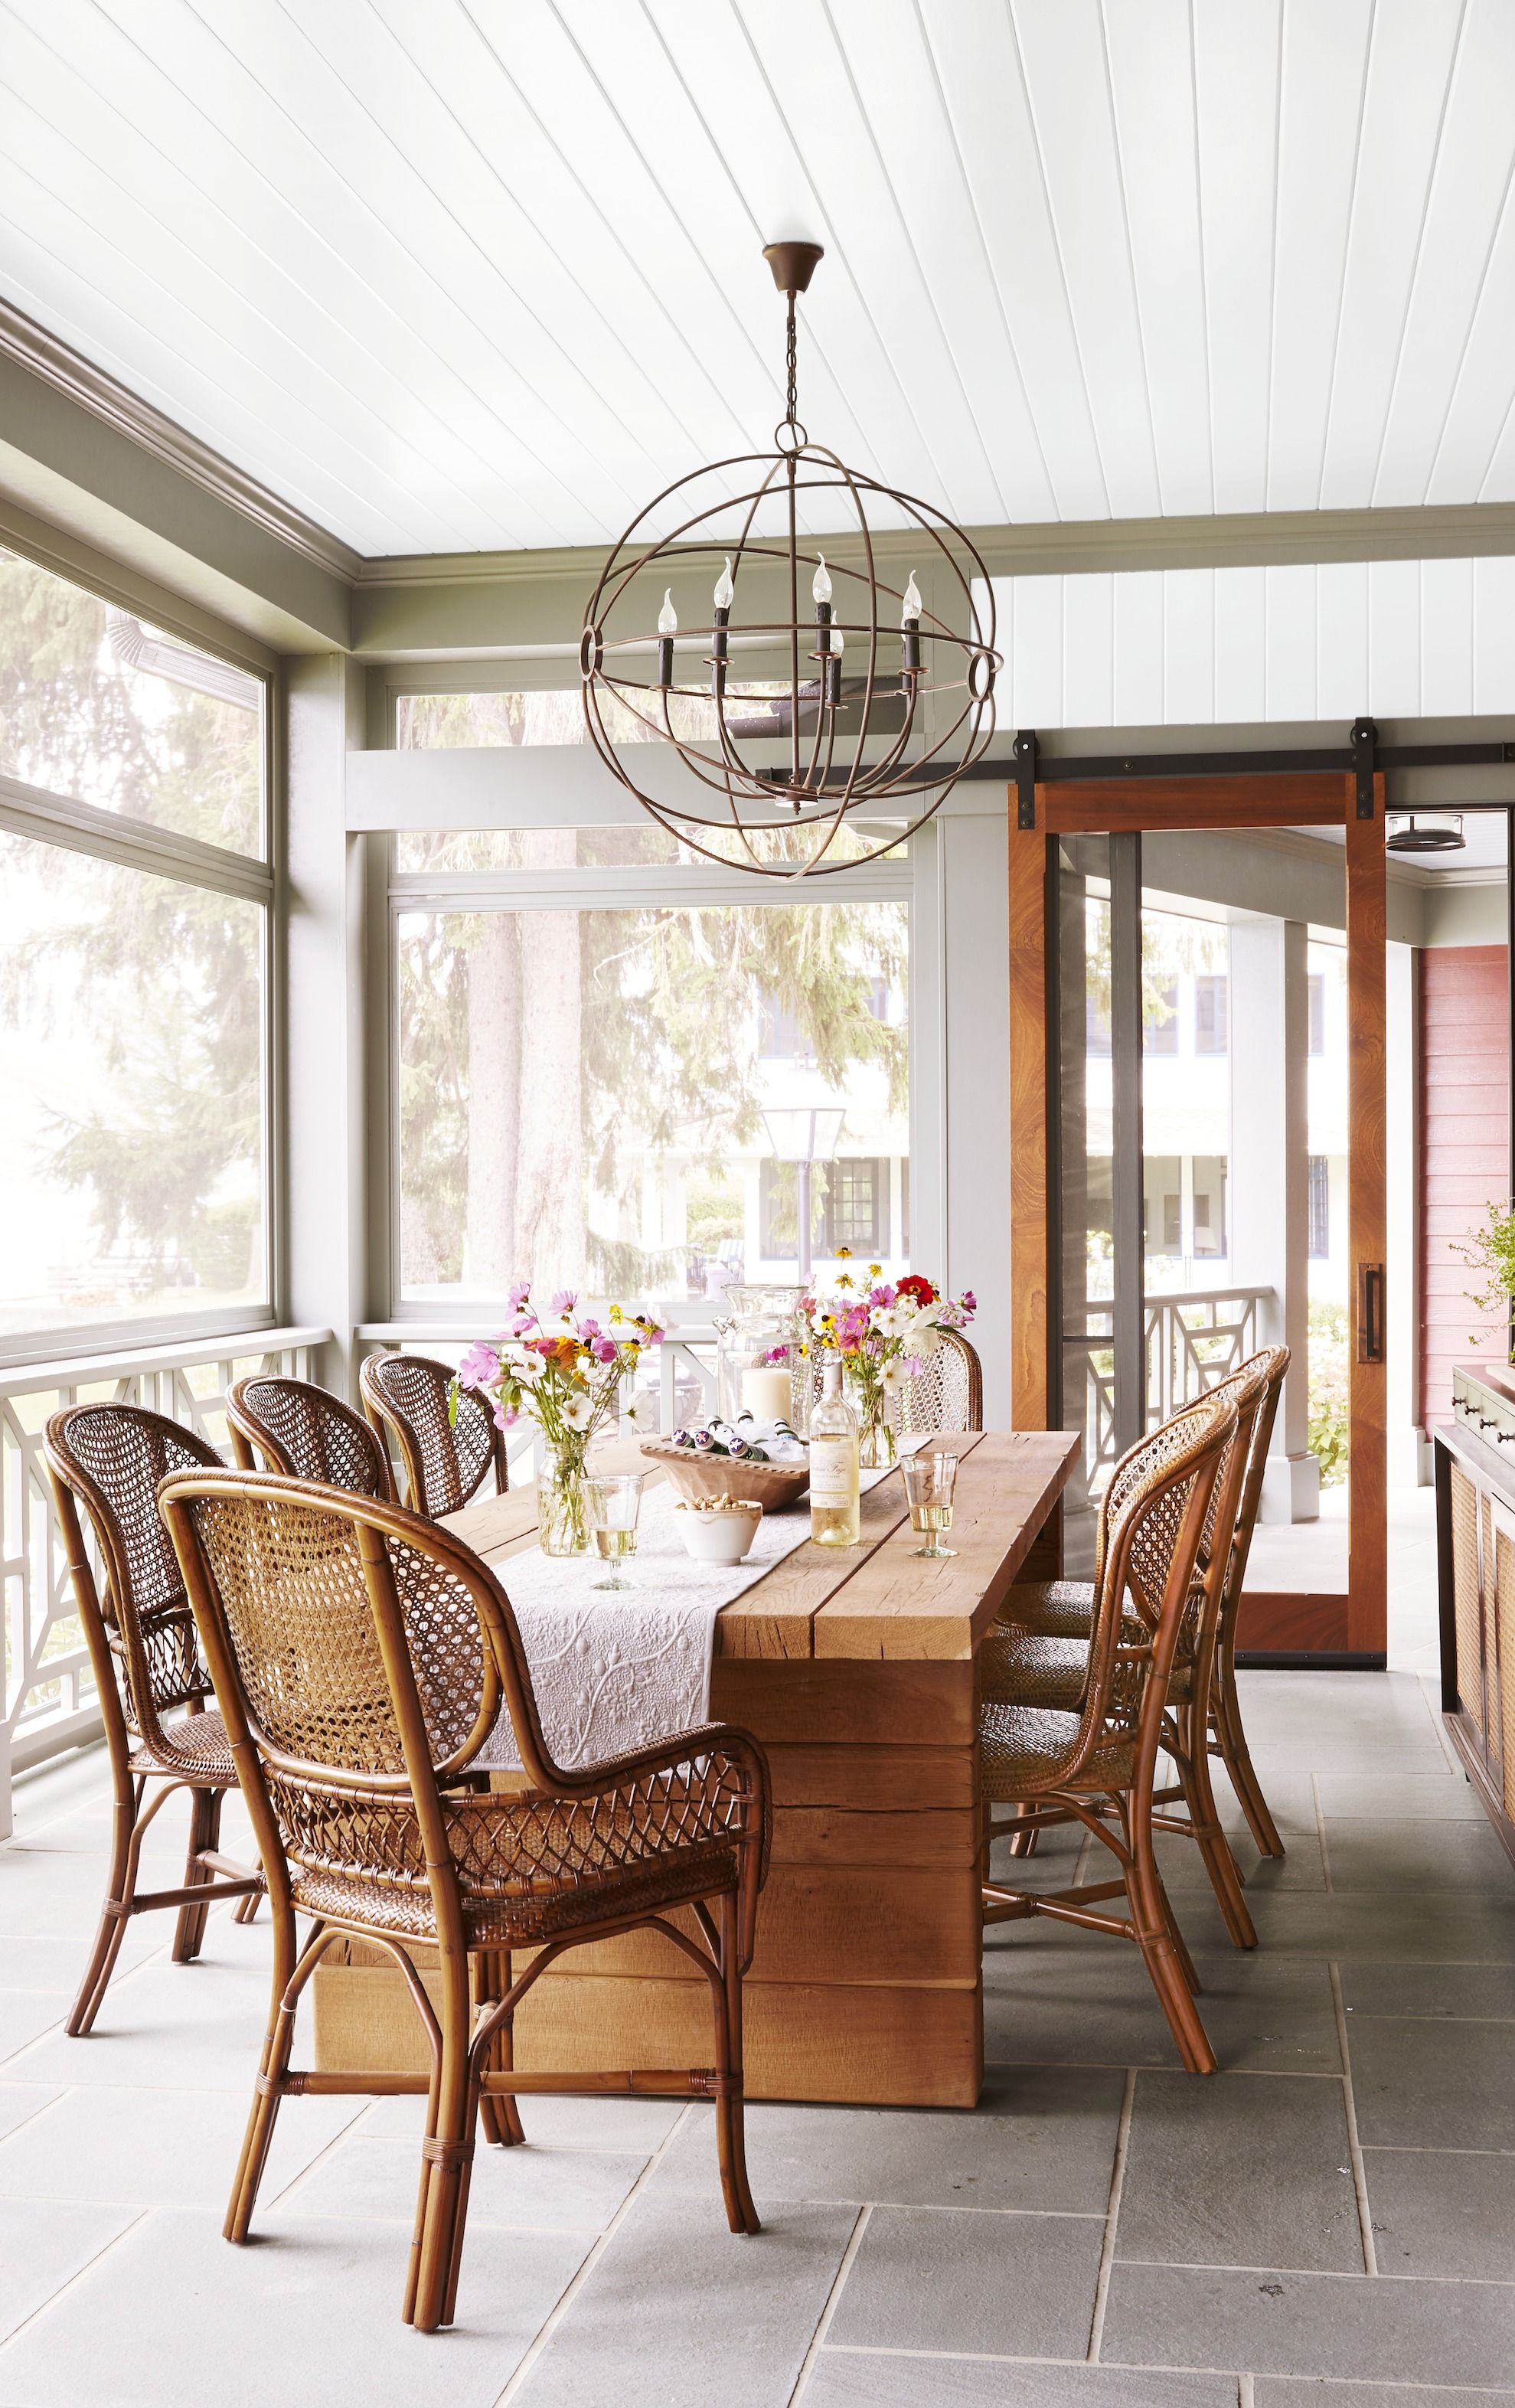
x=1306, y=1627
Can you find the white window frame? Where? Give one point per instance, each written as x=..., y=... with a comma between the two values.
x=66, y=822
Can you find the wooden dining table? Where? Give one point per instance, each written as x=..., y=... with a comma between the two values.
x=856, y=1669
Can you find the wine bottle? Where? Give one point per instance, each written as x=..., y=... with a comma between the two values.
x=834, y=1466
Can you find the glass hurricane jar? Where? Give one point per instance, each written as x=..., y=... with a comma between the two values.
x=876, y=1430
x=561, y=1519
x=757, y=1324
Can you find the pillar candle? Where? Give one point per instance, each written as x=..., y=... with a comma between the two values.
x=766, y=1393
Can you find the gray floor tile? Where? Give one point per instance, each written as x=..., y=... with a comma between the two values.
x=1379, y=1797
x=1041, y=2137
x=1416, y=1856
x=1443, y=2212
x=191, y=2318
x=43, y=2247
x=1242, y=2170
x=54, y=1961
x=366, y=2181
x=1398, y=1925
x=635, y=2126
x=25, y=2015
x=678, y=2312
x=1303, y=1867
x=1417, y=2086
x=1284, y=2323
x=158, y=2148
x=1289, y=2391
x=1000, y=2285
x=1075, y=1996
x=189, y=2026
x=21, y=2101
x=843, y=2378
x=1479, y=1992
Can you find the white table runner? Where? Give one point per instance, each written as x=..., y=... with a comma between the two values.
x=613, y=1670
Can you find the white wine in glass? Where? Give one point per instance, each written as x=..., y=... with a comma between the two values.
x=614, y=1500
x=929, y=1481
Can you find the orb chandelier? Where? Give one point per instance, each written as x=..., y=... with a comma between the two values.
x=805, y=740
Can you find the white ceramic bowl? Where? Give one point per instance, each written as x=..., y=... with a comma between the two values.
x=722, y=1537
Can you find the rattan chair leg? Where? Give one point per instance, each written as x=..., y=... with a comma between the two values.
x=1164, y=1952
x=120, y=1884
x=1230, y=1745
x=205, y=1829
x=499, y=2116
x=1205, y=1823
x=730, y=2115
x=449, y=2148
x=272, y=2067
x=246, y=1909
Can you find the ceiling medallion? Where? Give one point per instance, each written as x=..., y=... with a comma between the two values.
x=800, y=767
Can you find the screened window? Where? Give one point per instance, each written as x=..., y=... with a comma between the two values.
x=1160, y=1023
x=1316, y=1011
x=580, y=1091
x=1210, y=994
x=133, y=971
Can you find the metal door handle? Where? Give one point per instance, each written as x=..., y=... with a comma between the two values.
x=1370, y=1313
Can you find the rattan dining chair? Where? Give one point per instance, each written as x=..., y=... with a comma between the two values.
x=307, y=1432
x=361, y=1656
x=1064, y=1608
x=947, y=1394
x=142, y=1649
x=1025, y=1667
x=1097, y=1765
x=446, y=1457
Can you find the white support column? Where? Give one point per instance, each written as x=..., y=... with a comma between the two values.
x=1269, y=1179
x=326, y=1214
x=1410, y=1454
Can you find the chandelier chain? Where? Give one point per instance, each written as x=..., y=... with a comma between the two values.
x=792, y=365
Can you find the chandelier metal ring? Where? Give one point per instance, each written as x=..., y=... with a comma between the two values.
x=877, y=751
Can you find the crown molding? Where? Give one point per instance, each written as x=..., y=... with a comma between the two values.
x=67, y=372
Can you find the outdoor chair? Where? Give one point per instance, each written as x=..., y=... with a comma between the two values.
x=446, y=1457
x=1096, y=1765
x=141, y=1642
x=361, y=1656
x=307, y=1432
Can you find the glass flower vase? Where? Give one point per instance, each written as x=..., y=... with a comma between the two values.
x=876, y=1436
x=563, y=1522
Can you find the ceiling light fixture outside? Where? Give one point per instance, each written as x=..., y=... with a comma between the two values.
x=914, y=709
x=1424, y=832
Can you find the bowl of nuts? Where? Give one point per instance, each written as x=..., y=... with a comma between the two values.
x=717, y=1529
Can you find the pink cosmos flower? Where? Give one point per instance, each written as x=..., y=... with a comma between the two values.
x=604, y=1350
x=518, y=1292
x=970, y=1302
x=479, y=1366
x=912, y=1367
x=564, y=1301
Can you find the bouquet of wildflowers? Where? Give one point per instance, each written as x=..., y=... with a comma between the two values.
x=565, y=1376
x=883, y=1330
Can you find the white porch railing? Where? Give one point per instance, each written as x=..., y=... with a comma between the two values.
x=49, y=1698
x=1191, y=1338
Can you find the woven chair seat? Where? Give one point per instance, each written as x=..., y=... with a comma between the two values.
x=506, y=1919
x=1061, y=1608
x=195, y=1748
x=1021, y=1748
x=1020, y=1668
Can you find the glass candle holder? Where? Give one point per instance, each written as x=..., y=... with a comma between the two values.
x=929, y=1482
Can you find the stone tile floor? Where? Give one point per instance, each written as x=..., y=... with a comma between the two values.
x=1330, y=2220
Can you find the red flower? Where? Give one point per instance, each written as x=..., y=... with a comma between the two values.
x=918, y=1290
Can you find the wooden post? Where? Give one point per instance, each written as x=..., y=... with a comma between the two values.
x=1030, y=1235
x=1367, y=1613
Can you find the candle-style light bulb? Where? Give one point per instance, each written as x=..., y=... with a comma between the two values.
x=725, y=591
x=909, y=622
x=820, y=581
x=668, y=627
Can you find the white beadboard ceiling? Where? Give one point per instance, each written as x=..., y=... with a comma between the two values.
x=458, y=274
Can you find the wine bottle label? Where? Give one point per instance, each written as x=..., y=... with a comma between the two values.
x=833, y=1467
